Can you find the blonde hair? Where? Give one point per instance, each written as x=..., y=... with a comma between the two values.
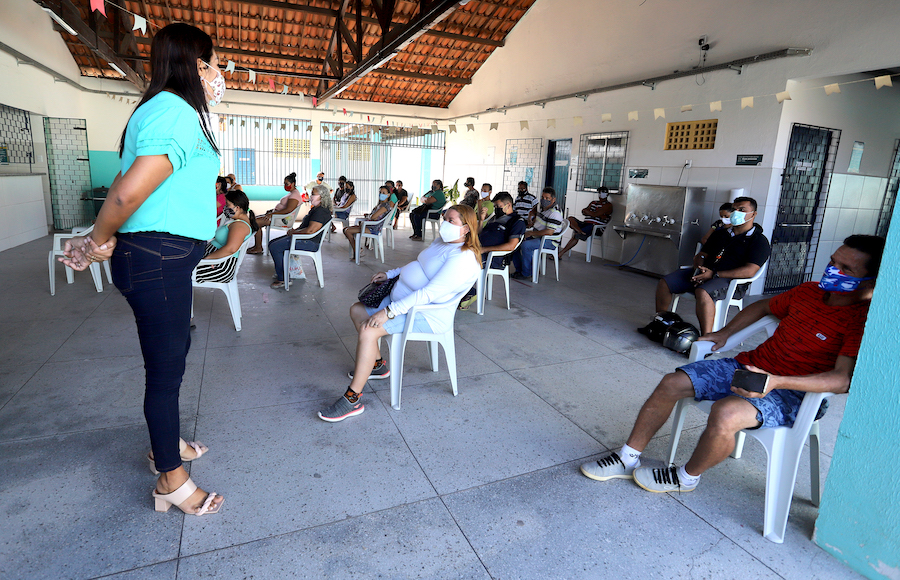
x=470, y=219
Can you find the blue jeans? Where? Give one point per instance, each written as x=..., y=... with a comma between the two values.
x=152, y=270
x=279, y=246
x=522, y=259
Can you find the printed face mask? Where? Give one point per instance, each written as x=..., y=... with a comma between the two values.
x=738, y=218
x=229, y=212
x=450, y=232
x=833, y=280
x=216, y=87
x=545, y=203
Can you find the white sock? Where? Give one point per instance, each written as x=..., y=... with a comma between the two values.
x=630, y=456
x=686, y=478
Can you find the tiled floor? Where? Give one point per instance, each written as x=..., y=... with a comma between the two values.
x=483, y=485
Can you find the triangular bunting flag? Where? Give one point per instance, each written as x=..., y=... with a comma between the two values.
x=577, y=121
x=715, y=106
x=252, y=73
x=99, y=5
x=453, y=128
x=494, y=126
x=686, y=108
x=606, y=118
x=633, y=116
x=551, y=123
x=140, y=23
x=469, y=127
x=272, y=85
x=369, y=118
x=256, y=124
x=746, y=102
x=345, y=111
x=268, y=125
x=657, y=113
x=315, y=102
x=434, y=128
x=230, y=67
x=783, y=96
x=283, y=127
x=296, y=128
x=523, y=125
x=833, y=88
x=284, y=90
x=883, y=81
x=243, y=123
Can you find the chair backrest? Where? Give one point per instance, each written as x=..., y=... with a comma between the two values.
x=242, y=251
x=285, y=220
x=492, y=255
x=381, y=221
x=557, y=237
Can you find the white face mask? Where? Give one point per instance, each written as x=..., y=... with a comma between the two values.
x=216, y=87
x=450, y=232
x=484, y=194
x=604, y=194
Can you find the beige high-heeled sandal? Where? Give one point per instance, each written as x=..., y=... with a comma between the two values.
x=198, y=447
x=163, y=501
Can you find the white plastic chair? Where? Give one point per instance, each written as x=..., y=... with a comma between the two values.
x=445, y=339
x=541, y=254
x=316, y=256
x=433, y=217
x=385, y=224
x=723, y=305
x=596, y=233
x=487, y=286
x=57, y=251
x=229, y=286
x=783, y=444
x=344, y=221
x=280, y=221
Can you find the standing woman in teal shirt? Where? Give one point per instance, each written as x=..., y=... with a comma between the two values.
x=154, y=226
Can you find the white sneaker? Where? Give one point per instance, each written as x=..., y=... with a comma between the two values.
x=661, y=479
x=609, y=467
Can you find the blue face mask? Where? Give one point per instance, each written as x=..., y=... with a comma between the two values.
x=833, y=280
x=382, y=196
x=738, y=218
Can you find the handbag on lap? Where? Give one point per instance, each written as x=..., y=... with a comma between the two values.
x=374, y=292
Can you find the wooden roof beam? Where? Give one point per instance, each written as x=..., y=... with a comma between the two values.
x=70, y=14
x=423, y=77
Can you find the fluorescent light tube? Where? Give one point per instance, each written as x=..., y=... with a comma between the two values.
x=60, y=21
x=117, y=69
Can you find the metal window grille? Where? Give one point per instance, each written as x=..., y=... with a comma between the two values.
x=362, y=153
x=601, y=160
x=15, y=135
x=890, y=196
x=692, y=134
x=263, y=150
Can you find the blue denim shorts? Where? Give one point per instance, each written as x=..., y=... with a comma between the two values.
x=396, y=325
x=712, y=381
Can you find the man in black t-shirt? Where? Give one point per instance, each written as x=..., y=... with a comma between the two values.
x=738, y=252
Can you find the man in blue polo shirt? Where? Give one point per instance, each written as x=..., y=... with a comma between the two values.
x=548, y=221
x=501, y=234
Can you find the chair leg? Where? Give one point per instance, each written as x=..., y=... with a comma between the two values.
x=287, y=274
x=505, y=277
x=815, y=489
x=234, y=303
x=52, y=263
x=433, y=349
x=317, y=259
x=556, y=263
x=448, y=342
x=675, y=302
x=535, y=257
x=357, y=237
x=70, y=275
x=97, y=275
x=739, y=439
x=380, y=247
x=590, y=247
x=781, y=475
x=108, y=271
x=677, y=424
x=265, y=247
x=397, y=348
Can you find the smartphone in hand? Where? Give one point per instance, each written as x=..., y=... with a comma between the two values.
x=750, y=381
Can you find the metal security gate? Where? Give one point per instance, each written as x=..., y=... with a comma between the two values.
x=523, y=162
x=801, y=206
x=363, y=154
x=264, y=150
x=890, y=197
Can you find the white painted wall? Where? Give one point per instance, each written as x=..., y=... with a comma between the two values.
x=23, y=218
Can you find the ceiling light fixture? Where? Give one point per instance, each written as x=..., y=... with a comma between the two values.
x=60, y=21
x=581, y=96
x=541, y=105
x=649, y=84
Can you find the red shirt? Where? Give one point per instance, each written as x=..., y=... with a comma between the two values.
x=811, y=334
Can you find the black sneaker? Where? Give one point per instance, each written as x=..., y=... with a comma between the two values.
x=380, y=371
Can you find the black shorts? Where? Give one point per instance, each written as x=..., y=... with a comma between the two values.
x=679, y=282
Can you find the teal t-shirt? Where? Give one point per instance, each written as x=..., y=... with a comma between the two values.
x=185, y=203
x=221, y=237
x=439, y=198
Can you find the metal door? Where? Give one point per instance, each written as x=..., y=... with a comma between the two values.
x=810, y=157
x=559, y=156
x=523, y=162
x=890, y=195
x=245, y=166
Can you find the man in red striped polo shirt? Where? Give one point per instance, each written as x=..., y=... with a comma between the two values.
x=813, y=350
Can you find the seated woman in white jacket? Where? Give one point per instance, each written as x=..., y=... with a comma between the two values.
x=450, y=265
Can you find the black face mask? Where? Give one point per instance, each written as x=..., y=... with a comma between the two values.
x=499, y=212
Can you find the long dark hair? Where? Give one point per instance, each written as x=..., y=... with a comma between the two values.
x=173, y=66
x=240, y=199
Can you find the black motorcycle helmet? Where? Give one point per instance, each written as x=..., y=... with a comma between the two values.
x=657, y=328
x=680, y=336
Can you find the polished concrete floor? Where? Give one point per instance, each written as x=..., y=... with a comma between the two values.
x=483, y=485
